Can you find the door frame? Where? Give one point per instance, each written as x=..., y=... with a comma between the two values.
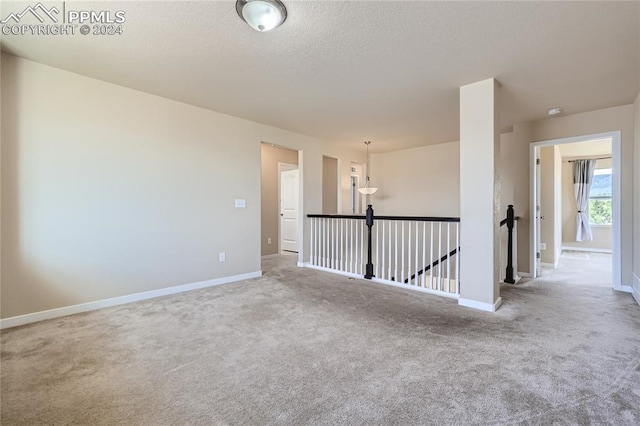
x=285, y=167
x=534, y=148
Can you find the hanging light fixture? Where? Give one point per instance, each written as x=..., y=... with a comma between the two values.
x=262, y=15
x=367, y=190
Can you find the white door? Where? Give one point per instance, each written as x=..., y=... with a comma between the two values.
x=539, y=216
x=289, y=211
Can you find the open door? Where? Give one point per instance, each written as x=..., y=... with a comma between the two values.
x=539, y=217
x=289, y=211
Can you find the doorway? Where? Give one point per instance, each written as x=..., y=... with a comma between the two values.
x=553, y=206
x=275, y=160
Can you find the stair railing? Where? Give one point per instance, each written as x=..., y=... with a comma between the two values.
x=409, y=251
x=512, y=234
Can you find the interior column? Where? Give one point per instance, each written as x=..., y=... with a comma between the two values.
x=479, y=196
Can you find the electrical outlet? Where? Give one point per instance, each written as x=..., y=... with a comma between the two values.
x=222, y=257
x=268, y=240
x=543, y=246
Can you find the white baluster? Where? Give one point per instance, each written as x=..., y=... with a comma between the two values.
x=362, y=261
x=382, y=254
x=448, y=263
x=431, y=260
x=341, y=232
x=377, y=265
x=439, y=256
x=457, y=257
x=415, y=280
x=409, y=256
x=396, y=252
x=424, y=253
x=389, y=266
x=402, y=265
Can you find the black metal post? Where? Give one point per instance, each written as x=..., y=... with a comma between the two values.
x=510, y=222
x=369, y=220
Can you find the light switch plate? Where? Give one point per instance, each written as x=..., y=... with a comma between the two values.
x=241, y=203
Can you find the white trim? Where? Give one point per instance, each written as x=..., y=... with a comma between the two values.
x=303, y=264
x=414, y=288
x=548, y=265
x=524, y=274
x=333, y=271
x=385, y=282
x=489, y=307
x=635, y=288
x=587, y=249
x=120, y=300
x=625, y=289
x=616, y=139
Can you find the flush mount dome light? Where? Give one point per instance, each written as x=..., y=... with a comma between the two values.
x=262, y=15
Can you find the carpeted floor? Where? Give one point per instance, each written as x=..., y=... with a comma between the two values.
x=298, y=346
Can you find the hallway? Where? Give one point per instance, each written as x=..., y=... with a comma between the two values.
x=581, y=268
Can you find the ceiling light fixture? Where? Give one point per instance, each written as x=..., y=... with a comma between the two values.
x=554, y=111
x=262, y=15
x=367, y=190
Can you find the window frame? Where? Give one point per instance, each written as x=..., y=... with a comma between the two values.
x=602, y=198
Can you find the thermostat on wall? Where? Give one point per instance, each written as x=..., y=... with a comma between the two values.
x=241, y=203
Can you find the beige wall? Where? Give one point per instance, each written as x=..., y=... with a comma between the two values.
x=506, y=172
x=421, y=181
x=636, y=196
x=109, y=191
x=329, y=185
x=605, y=120
x=602, y=235
x=270, y=206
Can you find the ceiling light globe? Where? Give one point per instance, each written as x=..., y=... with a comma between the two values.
x=262, y=15
x=367, y=190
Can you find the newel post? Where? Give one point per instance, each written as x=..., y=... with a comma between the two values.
x=369, y=221
x=510, y=222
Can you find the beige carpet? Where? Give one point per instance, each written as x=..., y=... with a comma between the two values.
x=299, y=346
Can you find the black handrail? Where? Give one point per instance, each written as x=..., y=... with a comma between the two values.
x=338, y=216
x=407, y=218
x=504, y=221
x=433, y=265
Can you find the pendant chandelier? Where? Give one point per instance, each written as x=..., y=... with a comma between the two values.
x=367, y=190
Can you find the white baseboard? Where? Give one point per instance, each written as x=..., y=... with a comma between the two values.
x=587, y=249
x=333, y=271
x=385, y=282
x=489, y=307
x=624, y=288
x=303, y=264
x=120, y=300
x=635, y=288
x=524, y=274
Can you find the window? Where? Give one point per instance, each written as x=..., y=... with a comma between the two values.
x=600, y=205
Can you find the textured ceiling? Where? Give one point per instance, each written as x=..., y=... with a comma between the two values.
x=343, y=71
